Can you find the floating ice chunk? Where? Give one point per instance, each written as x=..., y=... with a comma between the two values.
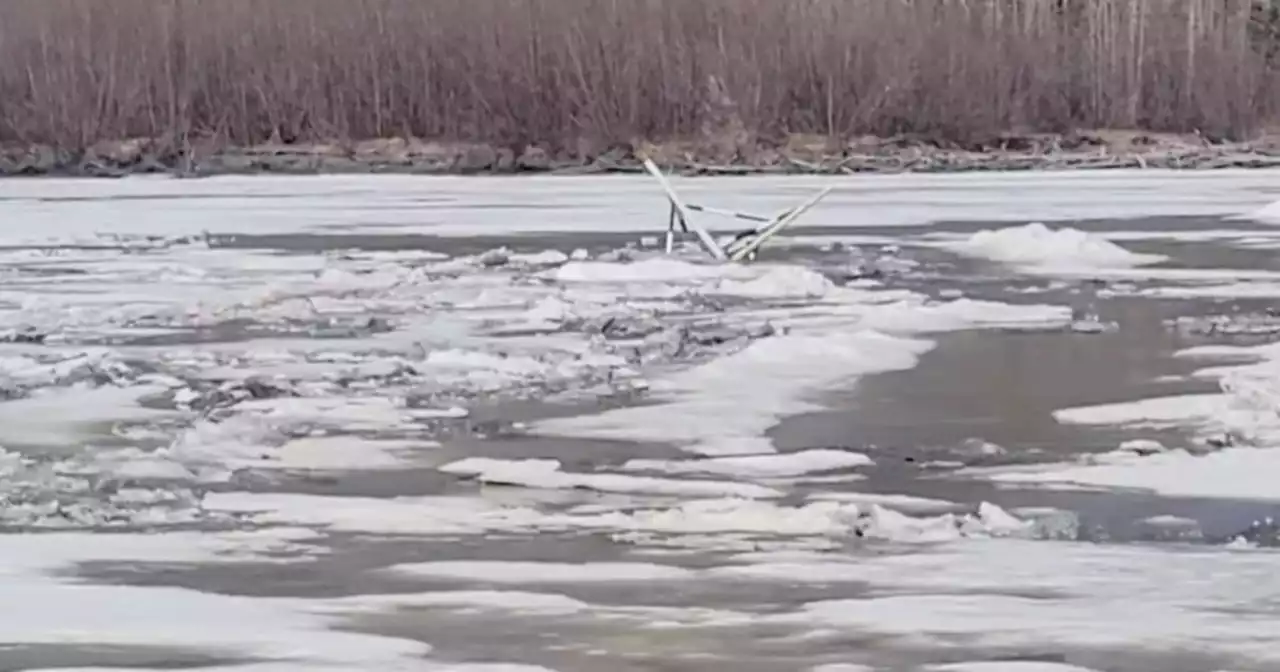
x=990, y=521
x=649, y=270
x=346, y=453
x=818, y=568
x=352, y=413
x=1142, y=447
x=1007, y=666
x=882, y=523
x=1059, y=598
x=1234, y=473
x=731, y=390
x=259, y=438
x=1169, y=528
x=734, y=515
x=401, y=515
x=214, y=449
x=780, y=282
x=132, y=464
x=543, y=572
x=907, y=317
x=229, y=626
x=547, y=474
x=1050, y=523
x=281, y=631
x=1036, y=245
x=498, y=600
x=759, y=466
x=550, y=309
x=998, y=522
x=36, y=556
x=68, y=416
x=904, y=503
x=1226, y=290
x=1267, y=214
x=1093, y=326
x=543, y=258
x=475, y=370
x=31, y=372
x=982, y=447
x=1245, y=412
x=1156, y=412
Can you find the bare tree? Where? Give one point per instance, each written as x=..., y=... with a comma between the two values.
x=522, y=71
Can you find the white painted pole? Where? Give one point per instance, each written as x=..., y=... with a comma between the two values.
x=781, y=223
x=671, y=228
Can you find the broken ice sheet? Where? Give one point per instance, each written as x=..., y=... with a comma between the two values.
x=1051, y=599
x=547, y=474
x=59, y=417
x=89, y=491
x=1041, y=248
x=758, y=466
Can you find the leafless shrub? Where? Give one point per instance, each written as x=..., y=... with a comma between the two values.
x=518, y=71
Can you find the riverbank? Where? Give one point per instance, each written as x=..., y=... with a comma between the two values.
x=797, y=154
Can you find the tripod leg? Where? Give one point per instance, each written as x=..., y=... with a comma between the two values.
x=671, y=228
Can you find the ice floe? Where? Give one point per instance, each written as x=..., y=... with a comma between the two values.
x=1268, y=214
x=824, y=349
x=547, y=474
x=1007, y=666
x=724, y=406
x=263, y=204
x=1056, y=599
x=62, y=612
x=542, y=572
x=145, y=383
x=759, y=466
x=717, y=522
x=1036, y=246
x=1240, y=426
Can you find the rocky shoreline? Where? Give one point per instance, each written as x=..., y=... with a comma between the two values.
x=795, y=155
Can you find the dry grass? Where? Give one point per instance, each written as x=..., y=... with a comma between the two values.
x=555, y=72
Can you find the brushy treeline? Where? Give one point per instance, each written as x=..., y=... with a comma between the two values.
x=552, y=71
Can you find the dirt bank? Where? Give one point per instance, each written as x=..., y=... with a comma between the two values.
x=796, y=154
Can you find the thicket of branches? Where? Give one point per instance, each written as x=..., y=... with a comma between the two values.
x=516, y=71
